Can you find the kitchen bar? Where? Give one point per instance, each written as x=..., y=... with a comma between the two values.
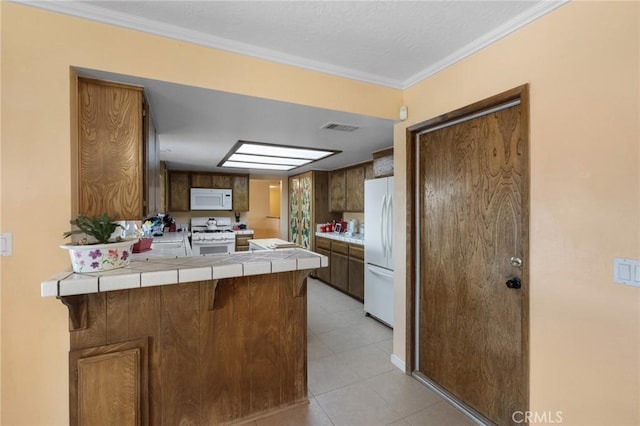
x=210, y=339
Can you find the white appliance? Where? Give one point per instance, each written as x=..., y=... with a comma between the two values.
x=211, y=199
x=378, y=249
x=206, y=239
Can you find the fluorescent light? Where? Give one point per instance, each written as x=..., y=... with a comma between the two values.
x=277, y=151
x=245, y=165
x=268, y=160
x=255, y=155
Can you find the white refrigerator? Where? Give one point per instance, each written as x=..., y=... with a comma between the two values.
x=378, y=249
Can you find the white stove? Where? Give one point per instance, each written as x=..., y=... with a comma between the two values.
x=208, y=239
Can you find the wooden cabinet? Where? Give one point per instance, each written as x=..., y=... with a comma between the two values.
x=356, y=271
x=346, y=266
x=201, y=180
x=337, y=191
x=115, y=150
x=109, y=384
x=242, y=241
x=180, y=183
x=355, y=189
x=240, y=186
x=368, y=171
x=178, y=191
x=308, y=199
x=339, y=264
x=347, y=189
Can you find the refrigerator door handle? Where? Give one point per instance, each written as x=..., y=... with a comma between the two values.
x=390, y=225
x=379, y=271
x=382, y=225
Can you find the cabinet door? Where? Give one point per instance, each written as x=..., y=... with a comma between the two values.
x=178, y=189
x=110, y=170
x=337, y=191
x=368, y=171
x=339, y=265
x=109, y=384
x=356, y=278
x=241, y=193
x=221, y=181
x=355, y=189
x=294, y=210
x=306, y=195
x=201, y=180
x=324, y=274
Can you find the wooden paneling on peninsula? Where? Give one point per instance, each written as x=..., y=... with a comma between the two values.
x=118, y=171
x=180, y=183
x=169, y=342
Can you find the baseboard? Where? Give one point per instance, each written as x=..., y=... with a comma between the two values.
x=395, y=360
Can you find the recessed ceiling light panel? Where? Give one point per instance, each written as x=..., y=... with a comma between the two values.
x=254, y=155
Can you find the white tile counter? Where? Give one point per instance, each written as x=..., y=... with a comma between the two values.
x=339, y=236
x=176, y=270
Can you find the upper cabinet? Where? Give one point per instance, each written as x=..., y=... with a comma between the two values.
x=178, y=191
x=346, y=188
x=337, y=190
x=180, y=183
x=117, y=151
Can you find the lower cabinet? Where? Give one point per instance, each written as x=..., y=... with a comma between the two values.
x=109, y=384
x=242, y=241
x=356, y=271
x=346, y=266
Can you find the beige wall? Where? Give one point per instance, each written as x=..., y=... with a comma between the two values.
x=259, y=209
x=582, y=64
x=38, y=48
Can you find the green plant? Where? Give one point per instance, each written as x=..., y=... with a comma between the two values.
x=99, y=227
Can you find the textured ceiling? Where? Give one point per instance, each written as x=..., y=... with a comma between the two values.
x=391, y=43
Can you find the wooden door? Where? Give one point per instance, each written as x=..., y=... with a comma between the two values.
x=201, y=180
x=241, y=193
x=355, y=189
x=473, y=219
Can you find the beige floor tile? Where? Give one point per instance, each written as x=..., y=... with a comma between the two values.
x=401, y=422
x=328, y=373
x=306, y=415
x=405, y=394
x=357, y=405
x=386, y=346
x=366, y=361
x=315, y=348
x=344, y=339
x=441, y=414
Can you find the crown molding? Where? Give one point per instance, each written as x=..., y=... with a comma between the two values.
x=491, y=37
x=93, y=13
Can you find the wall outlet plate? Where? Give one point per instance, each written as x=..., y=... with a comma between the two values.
x=6, y=244
x=626, y=271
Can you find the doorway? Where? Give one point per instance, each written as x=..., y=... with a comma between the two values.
x=469, y=256
x=265, y=200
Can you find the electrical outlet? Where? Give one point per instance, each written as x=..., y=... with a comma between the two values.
x=6, y=244
x=626, y=271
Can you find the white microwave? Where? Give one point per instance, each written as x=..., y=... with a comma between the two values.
x=211, y=199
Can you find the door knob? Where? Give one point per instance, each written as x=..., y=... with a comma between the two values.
x=514, y=283
x=516, y=261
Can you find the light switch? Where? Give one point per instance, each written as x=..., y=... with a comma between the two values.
x=6, y=246
x=626, y=271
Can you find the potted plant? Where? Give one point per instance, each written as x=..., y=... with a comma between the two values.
x=97, y=251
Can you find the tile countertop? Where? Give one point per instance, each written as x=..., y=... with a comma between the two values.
x=355, y=239
x=176, y=270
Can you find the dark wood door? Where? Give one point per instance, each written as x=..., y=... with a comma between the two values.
x=473, y=328
x=178, y=190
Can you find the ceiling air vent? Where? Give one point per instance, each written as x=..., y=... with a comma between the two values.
x=340, y=127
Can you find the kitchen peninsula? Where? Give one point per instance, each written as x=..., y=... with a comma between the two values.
x=211, y=339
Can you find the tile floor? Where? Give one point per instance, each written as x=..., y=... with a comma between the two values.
x=351, y=379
